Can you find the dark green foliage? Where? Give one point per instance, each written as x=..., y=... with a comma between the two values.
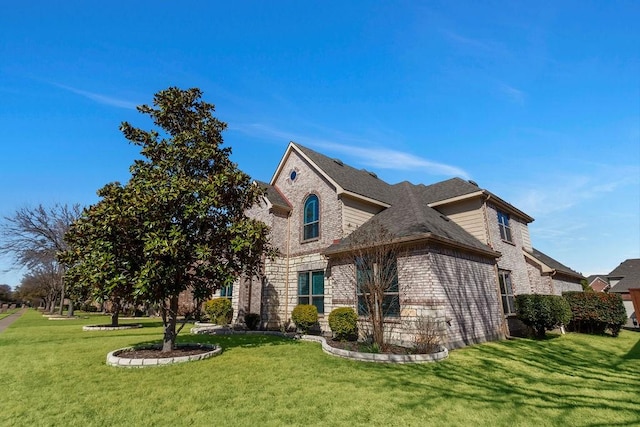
x=343, y=321
x=305, y=316
x=180, y=221
x=596, y=312
x=219, y=310
x=542, y=312
x=252, y=320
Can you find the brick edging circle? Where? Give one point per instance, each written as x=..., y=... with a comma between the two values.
x=110, y=328
x=124, y=362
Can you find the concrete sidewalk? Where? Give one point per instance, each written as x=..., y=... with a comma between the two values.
x=5, y=322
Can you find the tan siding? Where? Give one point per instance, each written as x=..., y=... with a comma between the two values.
x=526, y=238
x=468, y=215
x=355, y=213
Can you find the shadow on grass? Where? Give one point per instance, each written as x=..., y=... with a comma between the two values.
x=553, y=375
x=227, y=342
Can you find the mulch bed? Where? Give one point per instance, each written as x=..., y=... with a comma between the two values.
x=156, y=353
x=367, y=348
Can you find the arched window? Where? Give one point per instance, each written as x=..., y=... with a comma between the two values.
x=311, y=218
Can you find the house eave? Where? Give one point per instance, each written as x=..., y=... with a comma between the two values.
x=419, y=239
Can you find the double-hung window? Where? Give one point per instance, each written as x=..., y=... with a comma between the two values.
x=506, y=292
x=311, y=289
x=377, y=280
x=503, y=225
x=311, y=220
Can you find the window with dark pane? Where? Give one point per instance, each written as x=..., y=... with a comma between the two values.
x=506, y=292
x=311, y=219
x=369, y=275
x=311, y=289
x=226, y=291
x=503, y=225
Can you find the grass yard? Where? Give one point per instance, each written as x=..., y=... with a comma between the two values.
x=8, y=313
x=53, y=373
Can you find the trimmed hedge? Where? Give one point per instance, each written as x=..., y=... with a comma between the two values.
x=219, y=310
x=305, y=316
x=596, y=312
x=542, y=312
x=343, y=322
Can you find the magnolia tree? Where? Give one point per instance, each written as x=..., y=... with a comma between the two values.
x=179, y=223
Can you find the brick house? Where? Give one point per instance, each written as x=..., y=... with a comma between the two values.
x=598, y=282
x=468, y=252
x=625, y=280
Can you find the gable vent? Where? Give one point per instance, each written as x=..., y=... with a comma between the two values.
x=338, y=161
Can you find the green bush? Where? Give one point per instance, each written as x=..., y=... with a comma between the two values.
x=252, y=320
x=304, y=316
x=219, y=310
x=343, y=322
x=542, y=312
x=596, y=312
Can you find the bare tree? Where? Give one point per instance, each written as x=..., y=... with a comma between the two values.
x=34, y=237
x=369, y=268
x=41, y=284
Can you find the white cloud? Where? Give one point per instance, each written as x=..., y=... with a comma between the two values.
x=562, y=192
x=361, y=150
x=512, y=93
x=99, y=98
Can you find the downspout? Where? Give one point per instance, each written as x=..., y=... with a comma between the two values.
x=286, y=277
x=505, y=328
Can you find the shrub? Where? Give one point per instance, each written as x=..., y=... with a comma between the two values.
x=428, y=335
x=343, y=322
x=594, y=313
x=542, y=312
x=304, y=316
x=219, y=310
x=252, y=320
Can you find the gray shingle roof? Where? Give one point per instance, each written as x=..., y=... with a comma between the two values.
x=354, y=180
x=448, y=189
x=629, y=273
x=274, y=196
x=410, y=217
x=556, y=265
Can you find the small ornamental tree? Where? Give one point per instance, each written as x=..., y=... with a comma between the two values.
x=542, y=312
x=104, y=250
x=185, y=207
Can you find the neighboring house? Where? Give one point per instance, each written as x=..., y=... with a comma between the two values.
x=625, y=280
x=598, y=282
x=468, y=252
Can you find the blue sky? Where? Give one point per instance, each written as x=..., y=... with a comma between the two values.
x=539, y=102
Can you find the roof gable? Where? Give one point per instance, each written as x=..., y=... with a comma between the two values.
x=358, y=183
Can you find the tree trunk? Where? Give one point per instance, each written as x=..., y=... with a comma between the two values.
x=169, y=320
x=70, y=313
x=61, y=299
x=114, y=318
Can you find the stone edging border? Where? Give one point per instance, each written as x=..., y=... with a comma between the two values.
x=110, y=328
x=338, y=352
x=124, y=362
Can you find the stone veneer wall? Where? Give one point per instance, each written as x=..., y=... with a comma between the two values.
x=456, y=290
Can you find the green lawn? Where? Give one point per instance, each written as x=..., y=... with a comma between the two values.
x=53, y=373
x=9, y=312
